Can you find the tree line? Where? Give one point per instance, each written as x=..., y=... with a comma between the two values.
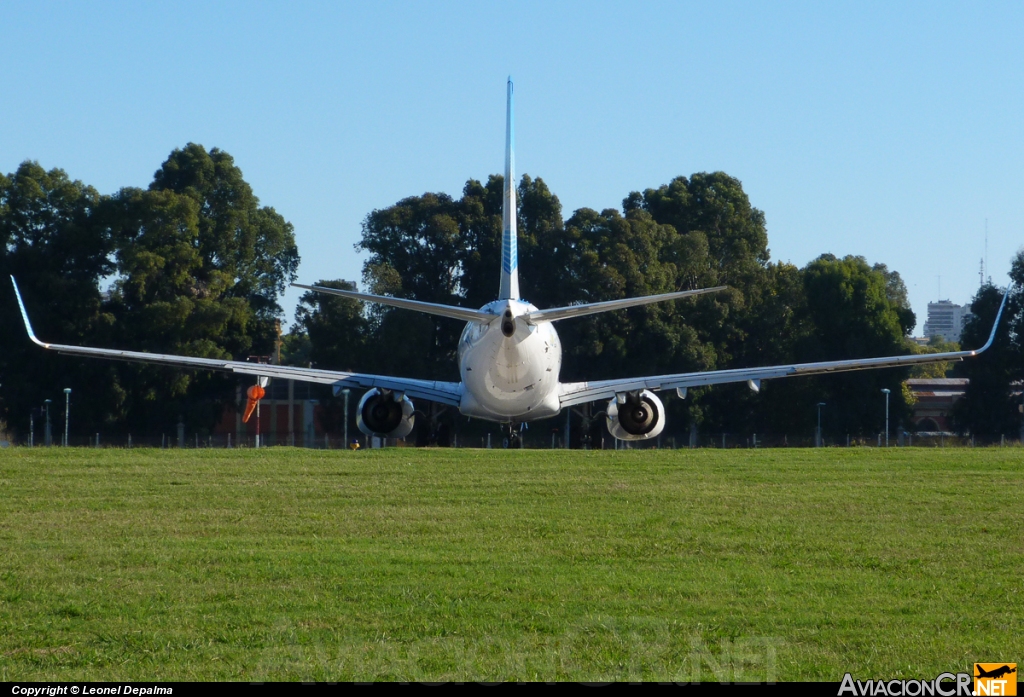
x=195, y=265
x=191, y=265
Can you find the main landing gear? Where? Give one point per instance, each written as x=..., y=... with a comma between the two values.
x=513, y=435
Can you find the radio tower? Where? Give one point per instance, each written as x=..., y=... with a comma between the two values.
x=986, y=251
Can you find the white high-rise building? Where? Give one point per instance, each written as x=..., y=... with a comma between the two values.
x=945, y=319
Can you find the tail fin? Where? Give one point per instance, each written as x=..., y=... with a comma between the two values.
x=509, y=289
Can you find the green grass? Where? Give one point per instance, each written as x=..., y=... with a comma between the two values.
x=468, y=565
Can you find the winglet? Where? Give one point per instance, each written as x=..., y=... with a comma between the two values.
x=995, y=325
x=24, y=316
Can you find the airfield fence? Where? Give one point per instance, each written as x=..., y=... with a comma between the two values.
x=539, y=442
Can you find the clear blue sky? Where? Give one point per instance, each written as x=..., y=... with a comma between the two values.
x=888, y=130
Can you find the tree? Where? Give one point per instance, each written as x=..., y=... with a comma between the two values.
x=415, y=248
x=165, y=300
x=691, y=233
x=200, y=267
x=196, y=266
x=721, y=240
x=615, y=256
x=936, y=344
x=438, y=249
x=57, y=251
x=1015, y=318
x=715, y=205
x=252, y=246
x=777, y=323
x=989, y=408
x=337, y=328
x=896, y=293
x=854, y=314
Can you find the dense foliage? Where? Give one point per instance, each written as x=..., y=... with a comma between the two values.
x=994, y=395
x=691, y=233
x=194, y=265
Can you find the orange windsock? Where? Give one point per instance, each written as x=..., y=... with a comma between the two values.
x=255, y=394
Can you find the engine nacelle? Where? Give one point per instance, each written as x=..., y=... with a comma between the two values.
x=385, y=413
x=641, y=416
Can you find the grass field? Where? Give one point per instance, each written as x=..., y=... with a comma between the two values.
x=468, y=565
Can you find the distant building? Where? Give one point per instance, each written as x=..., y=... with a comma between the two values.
x=945, y=319
x=935, y=399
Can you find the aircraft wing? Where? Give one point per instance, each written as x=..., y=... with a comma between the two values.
x=581, y=392
x=435, y=391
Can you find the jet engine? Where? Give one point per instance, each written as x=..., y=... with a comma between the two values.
x=385, y=413
x=635, y=416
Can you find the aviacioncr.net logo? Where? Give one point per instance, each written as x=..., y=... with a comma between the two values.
x=945, y=685
x=995, y=679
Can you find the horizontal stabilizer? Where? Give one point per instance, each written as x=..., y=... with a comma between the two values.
x=464, y=313
x=557, y=313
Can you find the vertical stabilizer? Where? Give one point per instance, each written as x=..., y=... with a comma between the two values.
x=509, y=251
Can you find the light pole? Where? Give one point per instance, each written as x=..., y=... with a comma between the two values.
x=885, y=391
x=345, y=392
x=48, y=433
x=1021, y=408
x=67, y=406
x=818, y=438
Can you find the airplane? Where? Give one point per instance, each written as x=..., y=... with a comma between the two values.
x=509, y=357
x=995, y=672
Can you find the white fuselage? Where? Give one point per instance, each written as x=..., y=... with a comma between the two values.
x=509, y=378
